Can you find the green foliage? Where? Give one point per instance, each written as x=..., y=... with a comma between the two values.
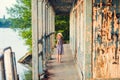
x=21, y=20
x=28, y=75
x=62, y=25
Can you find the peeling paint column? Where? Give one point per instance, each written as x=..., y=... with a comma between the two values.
x=50, y=42
x=53, y=26
x=71, y=29
x=88, y=38
x=46, y=29
x=74, y=33
x=40, y=28
x=35, y=65
x=44, y=33
x=49, y=30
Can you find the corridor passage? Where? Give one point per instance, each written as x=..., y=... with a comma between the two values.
x=66, y=70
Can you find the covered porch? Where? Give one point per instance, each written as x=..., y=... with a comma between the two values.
x=43, y=28
x=94, y=36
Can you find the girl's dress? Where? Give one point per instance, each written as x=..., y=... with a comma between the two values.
x=60, y=46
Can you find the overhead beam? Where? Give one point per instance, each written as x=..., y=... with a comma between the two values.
x=62, y=6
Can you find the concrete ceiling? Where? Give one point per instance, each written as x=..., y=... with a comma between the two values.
x=62, y=7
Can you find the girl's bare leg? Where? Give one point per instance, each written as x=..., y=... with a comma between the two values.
x=60, y=56
x=57, y=57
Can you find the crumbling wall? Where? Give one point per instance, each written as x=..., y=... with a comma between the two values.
x=106, y=38
x=81, y=36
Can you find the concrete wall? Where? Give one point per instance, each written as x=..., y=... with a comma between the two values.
x=106, y=39
x=90, y=21
x=80, y=36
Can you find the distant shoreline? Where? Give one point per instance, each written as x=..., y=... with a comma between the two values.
x=4, y=27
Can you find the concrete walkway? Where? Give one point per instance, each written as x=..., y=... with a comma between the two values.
x=66, y=70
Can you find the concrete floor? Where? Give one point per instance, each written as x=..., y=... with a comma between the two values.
x=66, y=70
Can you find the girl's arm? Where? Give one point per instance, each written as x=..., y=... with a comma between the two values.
x=57, y=43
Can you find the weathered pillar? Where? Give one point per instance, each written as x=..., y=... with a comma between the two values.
x=40, y=24
x=74, y=25
x=35, y=65
x=40, y=36
x=2, y=72
x=9, y=64
x=48, y=31
x=44, y=33
x=14, y=65
x=70, y=22
x=53, y=26
x=50, y=27
x=71, y=29
x=88, y=38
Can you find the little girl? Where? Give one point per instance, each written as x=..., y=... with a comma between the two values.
x=59, y=46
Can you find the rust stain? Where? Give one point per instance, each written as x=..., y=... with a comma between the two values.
x=106, y=38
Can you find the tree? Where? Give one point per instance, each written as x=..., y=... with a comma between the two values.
x=62, y=25
x=21, y=20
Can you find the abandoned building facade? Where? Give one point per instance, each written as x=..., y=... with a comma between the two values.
x=94, y=35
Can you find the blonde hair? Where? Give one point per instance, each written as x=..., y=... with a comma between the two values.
x=60, y=34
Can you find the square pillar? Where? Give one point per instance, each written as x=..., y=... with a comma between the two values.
x=44, y=32
x=88, y=39
x=40, y=36
x=35, y=65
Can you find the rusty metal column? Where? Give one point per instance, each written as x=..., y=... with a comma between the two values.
x=40, y=24
x=35, y=40
x=88, y=38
